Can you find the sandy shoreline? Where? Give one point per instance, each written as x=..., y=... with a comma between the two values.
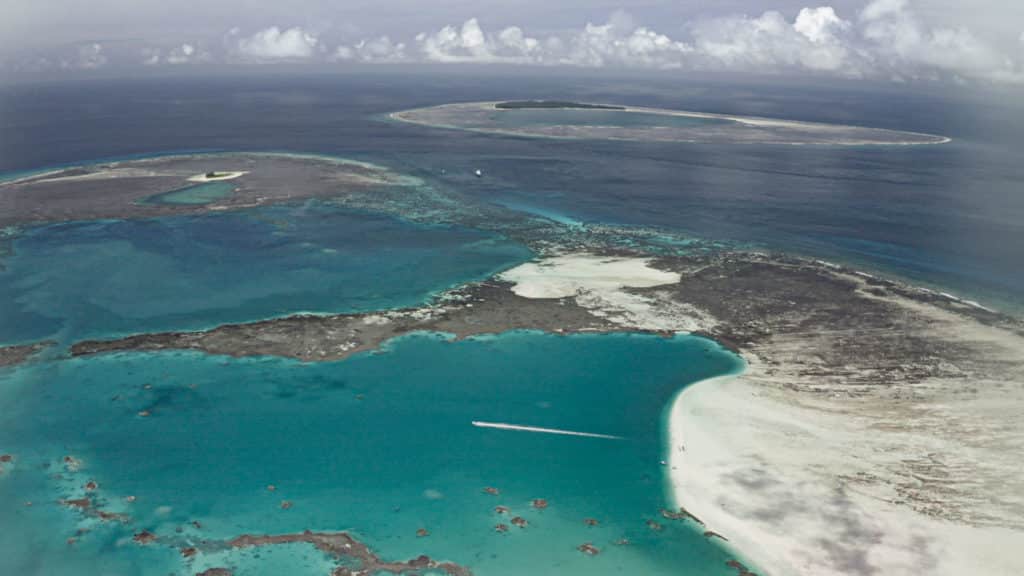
x=770, y=475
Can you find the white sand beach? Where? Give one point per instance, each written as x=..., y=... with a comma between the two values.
x=602, y=285
x=899, y=460
x=217, y=177
x=810, y=482
x=569, y=274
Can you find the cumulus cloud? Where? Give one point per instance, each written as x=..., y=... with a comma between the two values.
x=151, y=56
x=380, y=49
x=469, y=43
x=182, y=54
x=816, y=41
x=619, y=43
x=276, y=44
x=87, y=57
x=884, y=39
x=901, y=42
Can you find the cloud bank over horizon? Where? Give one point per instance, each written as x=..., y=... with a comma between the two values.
x=882, y=40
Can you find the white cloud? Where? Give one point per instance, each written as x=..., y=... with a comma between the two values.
x=886, y=40
x=881, y=39
x=819, y=25
x=469, y=43
x=901, y=42
x=185, y=53
x=814, y=41
x=617, y=43
x=151, y=56
x=87, y=57
x=182, y=54
x=276, y=44
x=380, y=49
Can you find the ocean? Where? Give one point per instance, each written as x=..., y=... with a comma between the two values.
x=382, y=444
x=950, y=215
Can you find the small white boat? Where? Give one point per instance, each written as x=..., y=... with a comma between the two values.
x=479, y=173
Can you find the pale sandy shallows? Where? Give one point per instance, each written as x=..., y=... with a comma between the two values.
x=602, y=285
x=570, y=274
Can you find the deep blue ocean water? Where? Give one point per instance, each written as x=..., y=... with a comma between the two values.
x=949, y=215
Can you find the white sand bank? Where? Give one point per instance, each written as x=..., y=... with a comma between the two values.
x=780, y=480
x=220, y=176
x=601, y=285
x=570, y=274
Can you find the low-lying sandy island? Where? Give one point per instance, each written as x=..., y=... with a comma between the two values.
x=877, y=429
x=602, y=122
x=120, y=189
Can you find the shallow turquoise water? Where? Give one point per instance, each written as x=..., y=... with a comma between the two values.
x=538, y=210
x=197, y=194
x=576, y=117
x=105, y=278
x=380, y=444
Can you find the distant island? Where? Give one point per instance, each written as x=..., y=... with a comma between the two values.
x=544, y=104
x=577, y=121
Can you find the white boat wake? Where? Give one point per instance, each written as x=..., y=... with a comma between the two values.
x=503, y=426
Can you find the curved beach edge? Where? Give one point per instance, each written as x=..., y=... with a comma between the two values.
x=693, y=447
x=754, y=467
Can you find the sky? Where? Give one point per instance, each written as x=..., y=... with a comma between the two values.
x=980, y=42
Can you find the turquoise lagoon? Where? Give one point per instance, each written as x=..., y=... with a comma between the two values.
x=106, y=278
x=526, y=117
x=380, y=444
x=197, y=194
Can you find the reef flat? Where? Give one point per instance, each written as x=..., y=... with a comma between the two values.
x=607, y=122
x=121, y=189
x=11, y=355
x=926, y=389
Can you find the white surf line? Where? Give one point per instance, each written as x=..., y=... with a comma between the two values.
x=503, y=426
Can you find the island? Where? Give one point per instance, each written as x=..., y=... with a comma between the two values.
x=558, y=119
x=168, y=185
x=553, y=104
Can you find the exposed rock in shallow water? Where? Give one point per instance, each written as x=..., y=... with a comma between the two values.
x=12, y=355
